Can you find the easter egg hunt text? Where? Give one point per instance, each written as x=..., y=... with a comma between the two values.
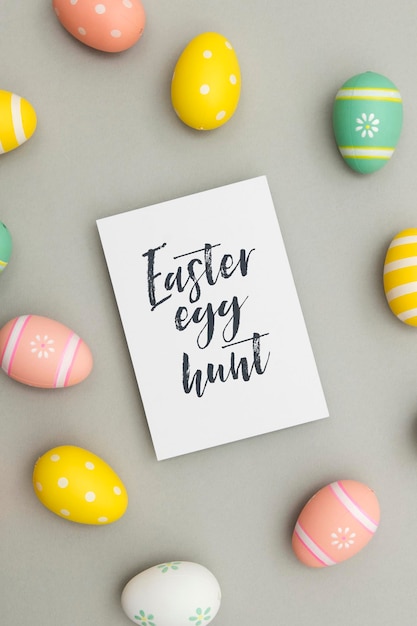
x=196, y=272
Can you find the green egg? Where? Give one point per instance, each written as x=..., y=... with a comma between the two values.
x=5, y=246
x=367, y=121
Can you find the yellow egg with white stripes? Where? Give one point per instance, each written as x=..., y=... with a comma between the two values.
x=400, y=276
x=17, y=121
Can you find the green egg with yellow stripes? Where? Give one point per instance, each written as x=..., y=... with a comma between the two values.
x=367, y=121
x=5, y=246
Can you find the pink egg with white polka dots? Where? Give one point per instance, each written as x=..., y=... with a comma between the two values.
x=107, y=25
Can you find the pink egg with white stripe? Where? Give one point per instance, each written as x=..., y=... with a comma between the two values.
x=336, y=523
x=41, y=352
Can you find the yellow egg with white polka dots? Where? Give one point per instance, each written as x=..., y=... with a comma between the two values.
x=79, y=486
x=205, y=86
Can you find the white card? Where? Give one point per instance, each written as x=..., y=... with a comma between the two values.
x=212, y=318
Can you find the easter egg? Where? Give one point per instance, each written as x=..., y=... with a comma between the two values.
x=172, y=594
x=79, y=486
x=367, y=121
x=17, y=121
x=109, y=25
x=5, y=246
x=336, y=523
x=41, y=352
x=400, y=276
x=205, y=86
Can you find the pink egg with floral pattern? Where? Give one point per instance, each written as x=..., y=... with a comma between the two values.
x=41, y=352
x=107, y=25
x=336, y=523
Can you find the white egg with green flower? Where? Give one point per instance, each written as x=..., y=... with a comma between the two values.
x=175, y=593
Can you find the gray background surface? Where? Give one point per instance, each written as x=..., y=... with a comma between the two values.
x=108, y=141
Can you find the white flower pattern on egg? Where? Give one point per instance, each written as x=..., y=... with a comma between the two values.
x=343, y=538
x=42, y=346
x=367, y=125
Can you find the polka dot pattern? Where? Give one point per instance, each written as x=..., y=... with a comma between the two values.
x=79, y=486
x=110, y=25
x=205, y=87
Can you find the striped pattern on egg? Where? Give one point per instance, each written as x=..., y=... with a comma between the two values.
x=5, y=246
x=336, y=523
x=17, y=121
x=400, y=276
x=367, y=121
x=41, y=352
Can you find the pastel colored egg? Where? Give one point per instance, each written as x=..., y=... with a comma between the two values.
x=41, y=352
x=206, y=83
x=172, y=594
x=367, y=121
x=336, y=523
x=5, y=246
x=107, y=25
x=17, y=121
x=79, y=486
x=400, y=276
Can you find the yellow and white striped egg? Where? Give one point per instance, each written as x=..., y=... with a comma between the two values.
x=17, y=121
x=400, y=276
